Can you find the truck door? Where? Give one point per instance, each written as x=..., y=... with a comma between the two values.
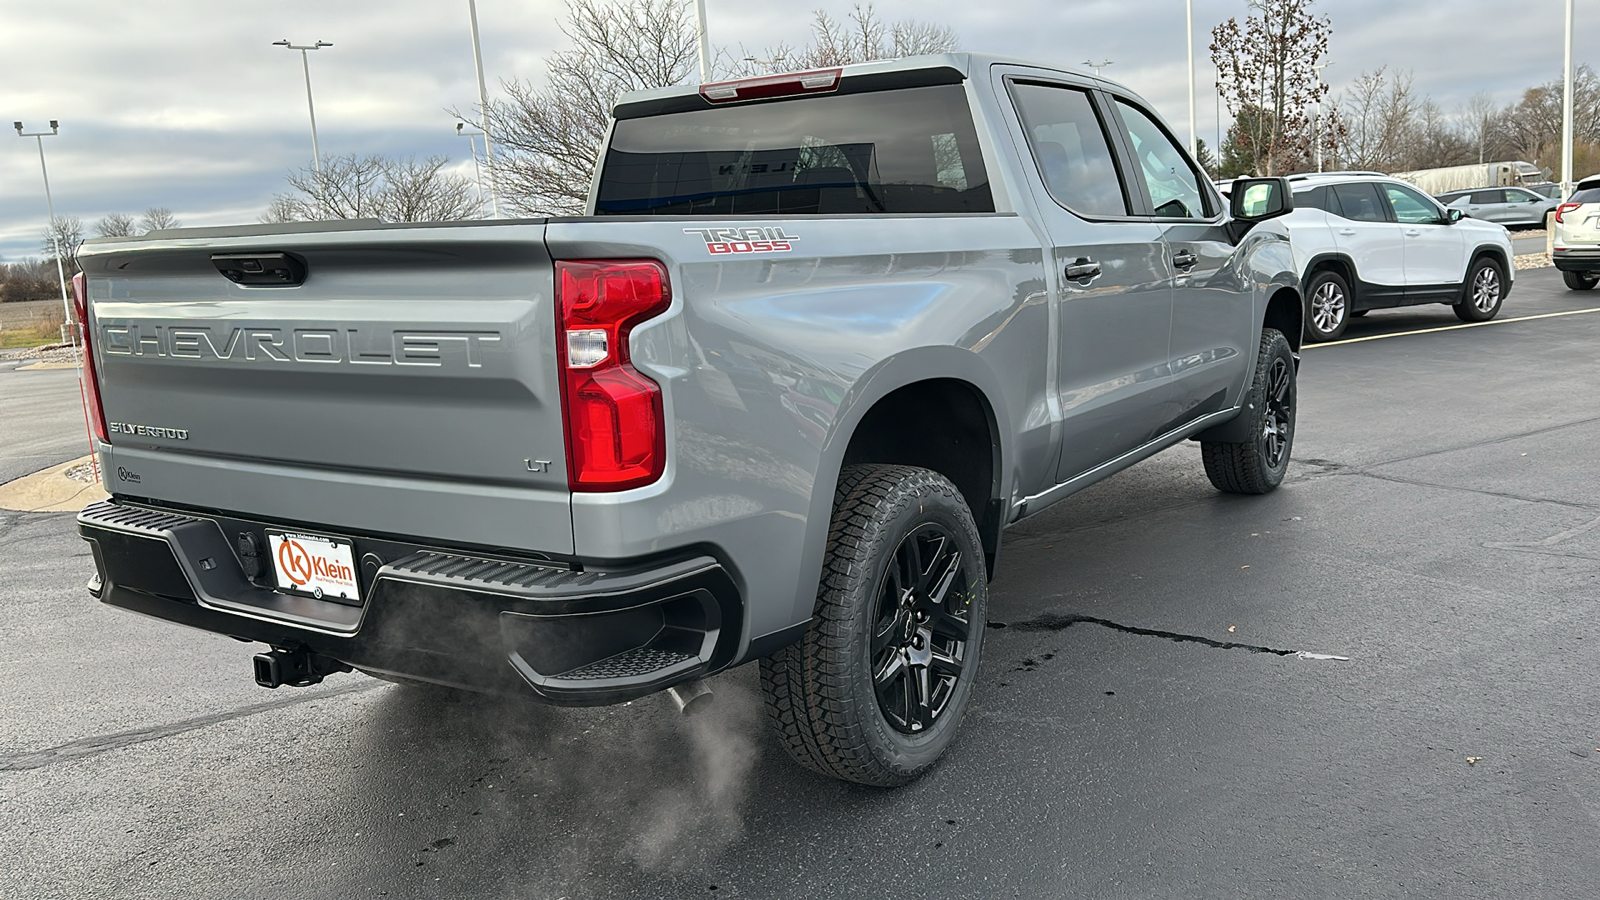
x=1213, y=316
x=1113, y=284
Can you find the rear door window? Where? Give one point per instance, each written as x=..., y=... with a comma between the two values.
x=1070, y=146
x=913, y=150
x=1359, y=201
x=1482, y=198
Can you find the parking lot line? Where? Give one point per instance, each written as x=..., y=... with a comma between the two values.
x=1379, y=337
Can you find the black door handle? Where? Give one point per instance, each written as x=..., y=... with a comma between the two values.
x=1185, y=260
x=1082, y=268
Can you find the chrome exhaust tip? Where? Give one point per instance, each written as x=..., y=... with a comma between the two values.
x=690, y=697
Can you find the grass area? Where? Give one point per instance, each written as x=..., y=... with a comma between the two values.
x=30, y=323
x=11, y=339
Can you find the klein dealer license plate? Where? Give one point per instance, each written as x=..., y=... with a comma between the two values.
x=323, y=567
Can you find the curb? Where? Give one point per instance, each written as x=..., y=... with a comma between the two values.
x=50, y=491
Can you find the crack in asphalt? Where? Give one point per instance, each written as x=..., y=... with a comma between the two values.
x=105, y=743
x=1056, y=622
x=1504, y=495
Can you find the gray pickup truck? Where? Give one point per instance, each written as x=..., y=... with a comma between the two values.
x=821, y=338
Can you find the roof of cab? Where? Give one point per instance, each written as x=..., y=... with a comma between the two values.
x=963, y=63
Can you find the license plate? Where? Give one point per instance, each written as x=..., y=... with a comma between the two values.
x=322, y=567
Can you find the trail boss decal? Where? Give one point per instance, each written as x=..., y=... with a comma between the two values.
x=763, y=239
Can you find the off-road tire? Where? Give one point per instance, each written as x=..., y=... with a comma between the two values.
x=1257, y=465
x=1327, y=306
x=1580, y=281
x=821, y=695
x=1484, y=292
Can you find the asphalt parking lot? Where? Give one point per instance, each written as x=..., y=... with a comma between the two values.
x=1155, y=718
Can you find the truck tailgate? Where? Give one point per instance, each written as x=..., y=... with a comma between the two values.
x=408, y=385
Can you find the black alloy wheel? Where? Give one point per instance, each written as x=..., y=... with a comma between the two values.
x=919, y=636
x=1258, y=463
x=875, y=691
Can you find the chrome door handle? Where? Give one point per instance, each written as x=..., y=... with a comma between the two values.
x=1185, y=260
x=1347, y=231
x=1082, y=268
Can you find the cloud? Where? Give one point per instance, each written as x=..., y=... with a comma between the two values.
x=186, y=103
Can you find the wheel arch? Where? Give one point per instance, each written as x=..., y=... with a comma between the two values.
x=877, y=423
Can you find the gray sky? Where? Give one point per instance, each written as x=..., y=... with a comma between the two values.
x=185, y=103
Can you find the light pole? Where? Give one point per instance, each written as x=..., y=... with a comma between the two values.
x=316, y=151
x=472, y=142
x=483, y=106
x=1188, y=39
x=1318, y=129
x=61, y=273
x=1566, y=114
x=1097, y=66
x=705, y=41
x=55, y=234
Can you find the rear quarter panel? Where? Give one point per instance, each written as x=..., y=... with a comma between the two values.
x=768, y=360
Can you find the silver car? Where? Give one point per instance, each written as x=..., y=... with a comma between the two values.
x=1509, y=206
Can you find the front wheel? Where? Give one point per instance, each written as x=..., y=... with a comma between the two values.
x=1257, y=465
x=1580, y=281
x=1485, y=291
x=875, y=690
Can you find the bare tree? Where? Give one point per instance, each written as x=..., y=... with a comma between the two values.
x=420, y=192
x=548, y=138
x=158, y=218
x=375, y=187
x=1377, y=116
x=67, y=234
x=1477, y=117
x=115, y=225
x=1268, y=65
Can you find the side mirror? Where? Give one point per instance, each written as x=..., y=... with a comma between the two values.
x=1254, y=200
x=1453, y=215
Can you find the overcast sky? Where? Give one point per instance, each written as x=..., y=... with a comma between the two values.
x=186, y=104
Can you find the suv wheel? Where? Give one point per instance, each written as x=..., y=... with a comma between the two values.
x=1327, y=306
x=875, y=690
x=1580, y=281
x=1256, y=466
x=1485, y=291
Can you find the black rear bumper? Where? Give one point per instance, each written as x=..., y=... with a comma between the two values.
x=573, y=636
x=1585, y=260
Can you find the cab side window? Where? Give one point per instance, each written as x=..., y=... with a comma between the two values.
x=1173, y=183
x=1069, y=144
x=1410, y=207
x=1360, y=202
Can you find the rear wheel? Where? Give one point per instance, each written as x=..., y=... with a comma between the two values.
x=1580, y=281
x=875, y=690
x=1257, y=465
x=1485, y=291
x=1327, y=306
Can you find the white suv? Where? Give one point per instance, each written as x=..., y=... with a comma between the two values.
x=1577, y=236
x=1365, y=241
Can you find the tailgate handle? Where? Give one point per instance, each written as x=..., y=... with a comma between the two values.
x=261, y=269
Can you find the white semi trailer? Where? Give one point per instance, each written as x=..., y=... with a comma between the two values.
x=1459, y=178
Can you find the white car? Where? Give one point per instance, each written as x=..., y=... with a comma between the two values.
x=1576, y=237
x=1365, y=241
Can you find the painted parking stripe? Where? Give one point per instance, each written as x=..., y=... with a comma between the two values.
x=1379, y=337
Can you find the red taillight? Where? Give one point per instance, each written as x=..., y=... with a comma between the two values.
x=616, y=432
x=1565, y=208
x=818, y=81
x=90, y=382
